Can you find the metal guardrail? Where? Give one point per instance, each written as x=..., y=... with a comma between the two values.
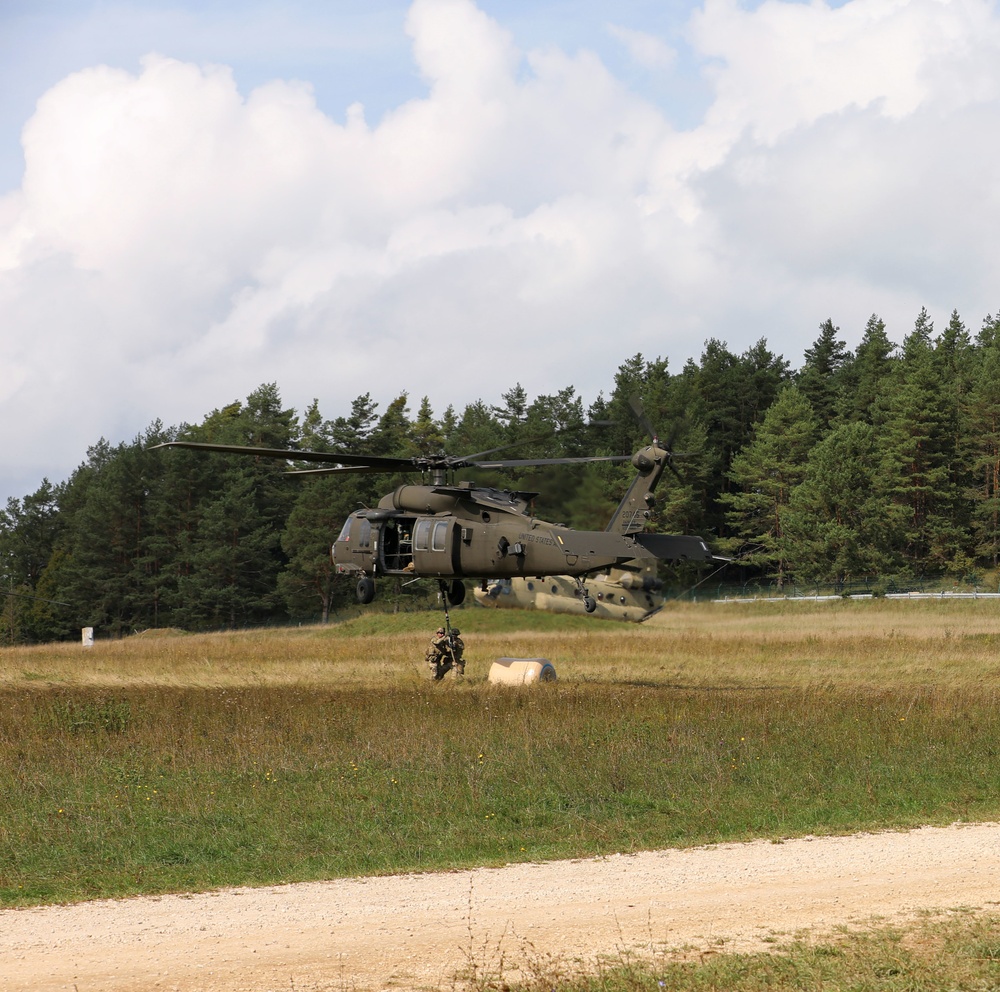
x=944, y=594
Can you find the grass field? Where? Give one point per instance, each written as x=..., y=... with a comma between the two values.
x=167, y=762
x=171, y=762
x=938, y=953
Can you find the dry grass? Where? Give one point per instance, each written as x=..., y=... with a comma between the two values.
x=793, y=645
x=169, y=761
x=940, y=952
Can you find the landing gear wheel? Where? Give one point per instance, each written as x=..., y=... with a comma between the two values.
x=365, y=590
x=589, y=604
x=455, y=593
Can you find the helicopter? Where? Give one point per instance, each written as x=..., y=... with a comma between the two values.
x=450, y=531
x=632, y=593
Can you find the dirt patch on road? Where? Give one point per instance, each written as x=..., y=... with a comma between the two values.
x=420, y=931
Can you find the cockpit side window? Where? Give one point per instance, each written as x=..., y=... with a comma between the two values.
x=345, y=531
x=365, y=540
x=422, y=535
x=440, y=535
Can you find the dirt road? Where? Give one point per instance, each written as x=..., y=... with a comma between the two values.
x=418, y=931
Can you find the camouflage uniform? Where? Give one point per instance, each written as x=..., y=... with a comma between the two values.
x=458, y=646
x=438, y=656
x=445, y=653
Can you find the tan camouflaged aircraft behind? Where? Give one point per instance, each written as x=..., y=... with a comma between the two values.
x=621, y=594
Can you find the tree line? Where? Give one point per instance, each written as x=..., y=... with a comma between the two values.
x=881, y=460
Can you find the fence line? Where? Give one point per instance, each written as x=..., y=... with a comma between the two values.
x=944, y=594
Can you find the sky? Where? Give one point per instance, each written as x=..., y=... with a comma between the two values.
x=450, y=197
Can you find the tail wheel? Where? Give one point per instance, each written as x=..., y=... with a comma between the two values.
x=589, y=604
x=456, y=593
x=365, y=590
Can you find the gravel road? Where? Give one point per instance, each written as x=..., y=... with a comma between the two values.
x=419, y=931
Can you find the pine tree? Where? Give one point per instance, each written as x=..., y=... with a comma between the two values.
x=513, y=412
x=315, y=432
x=729, y=395
x=553, y=428
x=425, y=432
x=392, y=433
x=681, y=498
x=235, y=558
x=762, y=376
x=983, y=428
x=820, y=375
x=477, y=430
x=29, y=529
x=228, y=565
x=835, y=525
x=449, y=424
x=914, y=439
x=863, y=376
x=308, y=584
x=765, y=473
x=350, y=435
x=162, y=510
x=104, y=570
x=956, y=360
x=642, y=380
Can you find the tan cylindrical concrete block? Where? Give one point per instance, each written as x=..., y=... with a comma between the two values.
x=521, y=671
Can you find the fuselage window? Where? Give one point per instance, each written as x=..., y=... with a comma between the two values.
x=440, y=535
x=422, y=535
x=365, y=538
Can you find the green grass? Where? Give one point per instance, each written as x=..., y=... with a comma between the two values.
x=955, y=951
x=152, y=789
x=190, y=762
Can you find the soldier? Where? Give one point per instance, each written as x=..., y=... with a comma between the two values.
x=457, y=651
x=438, y=654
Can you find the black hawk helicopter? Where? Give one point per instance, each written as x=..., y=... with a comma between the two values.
x=451, y=531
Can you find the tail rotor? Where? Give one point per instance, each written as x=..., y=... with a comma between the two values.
x=638, y=411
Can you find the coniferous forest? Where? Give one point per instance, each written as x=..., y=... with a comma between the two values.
x=883, y=461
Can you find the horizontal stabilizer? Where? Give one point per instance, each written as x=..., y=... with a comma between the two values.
x=674, y=547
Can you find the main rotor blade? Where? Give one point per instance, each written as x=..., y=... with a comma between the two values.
x=474, y=458
x=374, y=463
x=339, y=470
x=538, y=439
x=384, y=463
x=528, y=462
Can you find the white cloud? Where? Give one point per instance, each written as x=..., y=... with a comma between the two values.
x=860, y=158
x=646, y=49
x=175, y=242
x=784, y=65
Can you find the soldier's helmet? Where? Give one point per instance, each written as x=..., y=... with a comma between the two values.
x=440, y=630
x=455, y=631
